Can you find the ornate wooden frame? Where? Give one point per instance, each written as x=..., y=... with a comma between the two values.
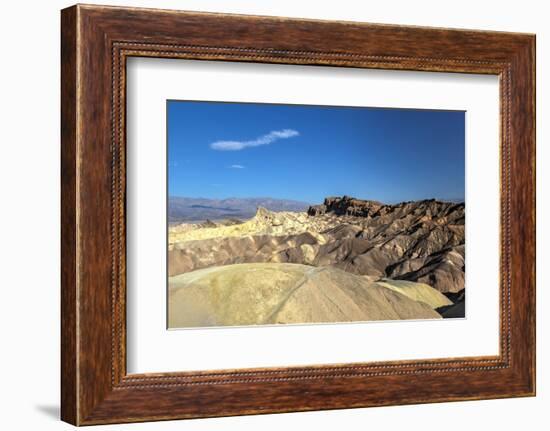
x=95, y=42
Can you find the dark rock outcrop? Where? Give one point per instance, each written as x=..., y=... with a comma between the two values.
x=454, y=311
x=457, y=308
x=456, y=297
x=346, y=206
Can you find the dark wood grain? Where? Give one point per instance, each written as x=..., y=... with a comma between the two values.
x=69, y=367
x=96, y=41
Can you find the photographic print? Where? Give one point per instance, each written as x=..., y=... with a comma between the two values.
x=303, y=214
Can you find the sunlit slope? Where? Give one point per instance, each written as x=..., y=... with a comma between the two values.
x=274, y=293
x=418, y=292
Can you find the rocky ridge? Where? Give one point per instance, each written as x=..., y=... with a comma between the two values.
x=419, y=241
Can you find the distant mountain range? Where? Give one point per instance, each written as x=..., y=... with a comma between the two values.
x=184, y=209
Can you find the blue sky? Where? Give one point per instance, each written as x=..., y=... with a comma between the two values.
x=221, y=150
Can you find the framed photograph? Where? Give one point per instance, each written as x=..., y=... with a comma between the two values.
x=263, y=214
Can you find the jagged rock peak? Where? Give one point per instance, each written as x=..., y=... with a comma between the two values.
x=350, y=206
x=270, y=218
x=263, y=212
x=346, y=205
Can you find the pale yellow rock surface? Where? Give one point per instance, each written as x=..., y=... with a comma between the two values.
x=417, y=291
x=277, y=293
x=263, y=223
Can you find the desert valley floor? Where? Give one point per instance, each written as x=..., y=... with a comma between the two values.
x=344, y=260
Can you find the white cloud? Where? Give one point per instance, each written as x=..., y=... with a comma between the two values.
x=271, y=137
x=236, y=167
